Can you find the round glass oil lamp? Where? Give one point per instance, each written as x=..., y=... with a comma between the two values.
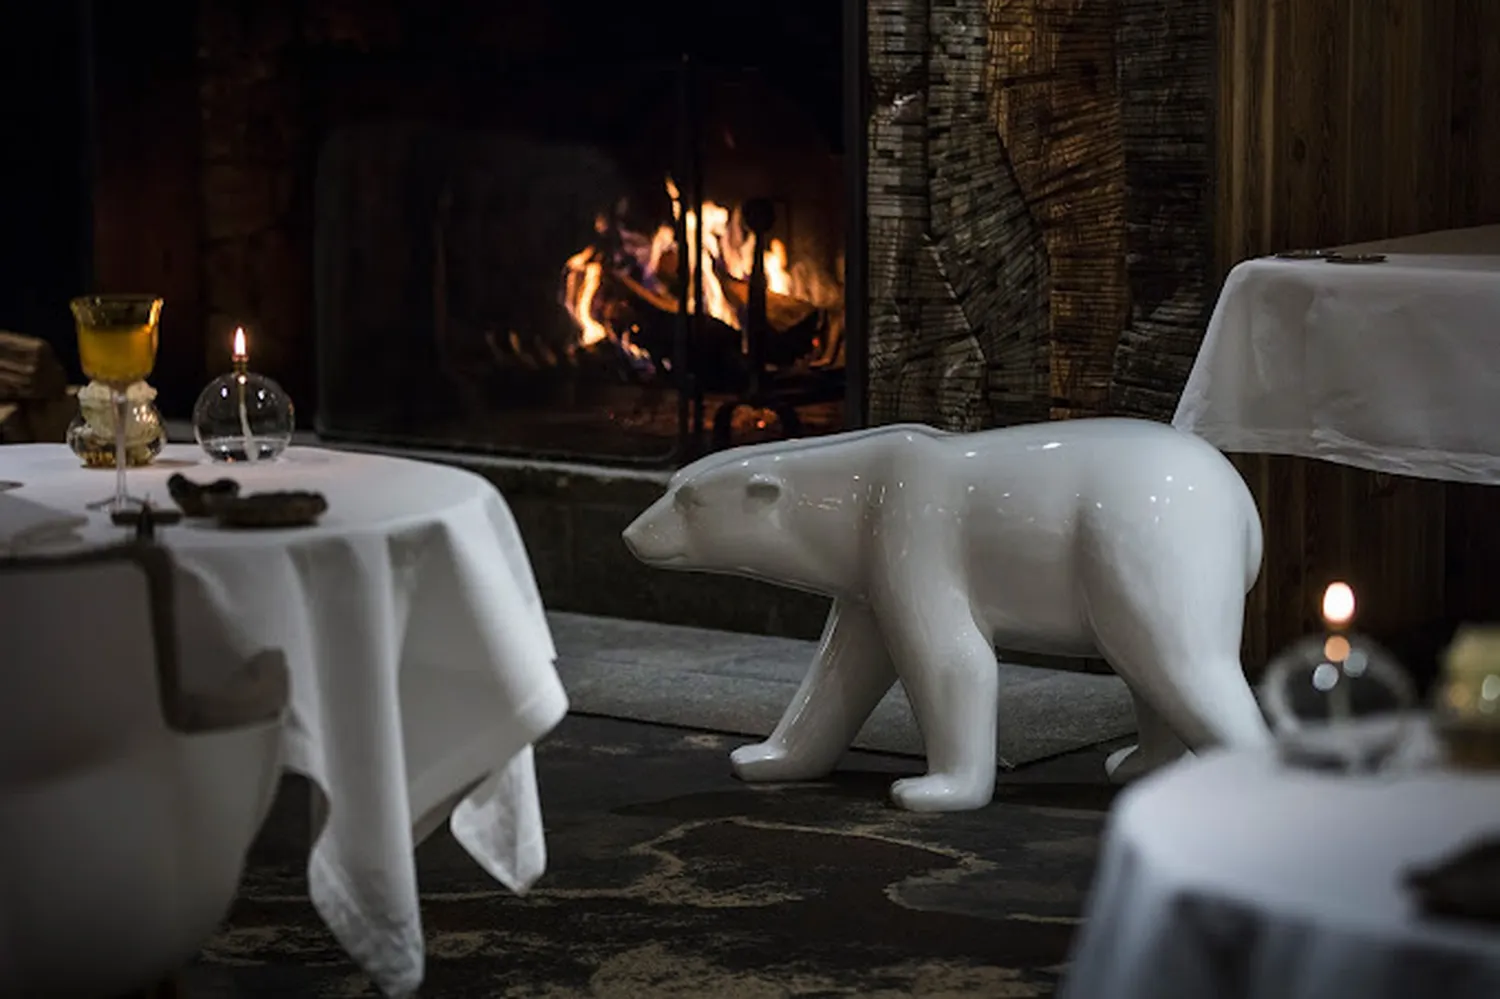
x=242, y=415
x=1336, y=699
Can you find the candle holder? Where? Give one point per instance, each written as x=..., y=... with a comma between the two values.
x=91, y=435
x=1466, y=715
x=242, y=415
x=1337, y=700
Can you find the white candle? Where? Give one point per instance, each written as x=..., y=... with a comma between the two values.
x=241, y=364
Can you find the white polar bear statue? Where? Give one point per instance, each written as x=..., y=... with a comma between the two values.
x=1121, y=538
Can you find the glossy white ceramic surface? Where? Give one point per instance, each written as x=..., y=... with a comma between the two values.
x=1120, y=538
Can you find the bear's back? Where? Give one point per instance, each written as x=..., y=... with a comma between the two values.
x=800, y=445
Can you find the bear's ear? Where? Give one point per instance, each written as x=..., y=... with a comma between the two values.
x=763, y=488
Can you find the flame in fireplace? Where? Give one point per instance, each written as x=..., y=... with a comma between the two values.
x=728, y=250
x=728, y=255
x=582, y=276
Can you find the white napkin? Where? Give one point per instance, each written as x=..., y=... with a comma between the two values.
x=26, y=525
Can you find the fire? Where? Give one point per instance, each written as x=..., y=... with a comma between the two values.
x=584, y=272
x=728, y=247
x=728, y=253
x=239, y=348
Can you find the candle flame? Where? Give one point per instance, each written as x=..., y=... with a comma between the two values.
x=1338, y=604
x=240, y=352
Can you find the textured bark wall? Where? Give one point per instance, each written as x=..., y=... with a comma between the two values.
x=1054, y=100
x=1166, y=72
x=1039, y=232
x=958, y=270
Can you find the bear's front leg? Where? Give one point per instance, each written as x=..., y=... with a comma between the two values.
x=849, y=675
x=947, y=665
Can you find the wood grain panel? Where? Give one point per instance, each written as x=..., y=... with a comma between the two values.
x=1348, y=120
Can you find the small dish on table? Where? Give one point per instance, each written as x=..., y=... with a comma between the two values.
x=221, y=500
x=294, y=508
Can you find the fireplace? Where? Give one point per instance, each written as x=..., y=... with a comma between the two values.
x=615, y=237
x=476, y=227
x=405, y=204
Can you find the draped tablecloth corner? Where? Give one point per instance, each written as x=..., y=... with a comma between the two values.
x=421, y=662
x=1389, y=367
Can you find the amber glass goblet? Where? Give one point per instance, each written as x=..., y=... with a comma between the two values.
x=117, y=347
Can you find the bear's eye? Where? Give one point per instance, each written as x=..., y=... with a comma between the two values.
x=764, y=488
x=687, y=497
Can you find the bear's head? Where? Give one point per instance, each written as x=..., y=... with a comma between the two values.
x=793, y=512
x=726, y=513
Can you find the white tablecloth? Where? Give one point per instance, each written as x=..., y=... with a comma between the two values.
x=1233, y=876
x=1392, y=367
x=421, y=662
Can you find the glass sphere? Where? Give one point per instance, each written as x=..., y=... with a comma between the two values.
x=243, y=416
x=1337, y=700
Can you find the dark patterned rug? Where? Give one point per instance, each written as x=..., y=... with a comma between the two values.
x=668, y=878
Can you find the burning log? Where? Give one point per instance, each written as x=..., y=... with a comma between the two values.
x=783, y=312
x=661, y=301
x=717, y=349
x=714, y=353
x=619, y=292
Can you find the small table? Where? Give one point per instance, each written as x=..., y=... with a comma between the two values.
x=1231, y=875
x=421, y=662
x=1391, y=367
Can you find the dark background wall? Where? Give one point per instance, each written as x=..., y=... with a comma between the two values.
x=98, y=188
x=45, y=218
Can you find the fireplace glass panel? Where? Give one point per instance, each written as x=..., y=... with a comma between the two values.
x=500, y=261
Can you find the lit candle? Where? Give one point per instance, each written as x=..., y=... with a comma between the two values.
x=1338, y=612
x=241, y=353
x=1338, y=605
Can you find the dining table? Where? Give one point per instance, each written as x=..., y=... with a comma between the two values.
x=1237, y=874
x=1383, y=356
x=422, y=667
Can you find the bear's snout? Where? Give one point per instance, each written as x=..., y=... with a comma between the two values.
x=656, y=536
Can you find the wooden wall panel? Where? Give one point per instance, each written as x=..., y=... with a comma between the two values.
x=1347, y=120
x=1341, y=121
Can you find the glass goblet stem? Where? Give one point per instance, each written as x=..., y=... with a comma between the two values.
x=122, y=413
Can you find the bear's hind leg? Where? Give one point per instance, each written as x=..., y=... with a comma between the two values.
x=849, y=675
x=1168, y=620
x=948, y=668
x=1156, y=745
